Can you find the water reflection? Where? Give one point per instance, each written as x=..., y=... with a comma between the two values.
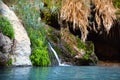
x=18, y=73
x=60, y=73
x=38, y=73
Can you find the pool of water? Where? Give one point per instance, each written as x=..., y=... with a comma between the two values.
x=60, y=73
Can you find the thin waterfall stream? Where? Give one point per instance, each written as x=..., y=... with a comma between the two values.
x=56, y=56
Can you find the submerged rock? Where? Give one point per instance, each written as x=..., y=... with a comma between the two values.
x=22, y=48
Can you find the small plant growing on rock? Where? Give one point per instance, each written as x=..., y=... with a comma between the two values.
x=116, y=3
x=6, y=27
x=9, y=62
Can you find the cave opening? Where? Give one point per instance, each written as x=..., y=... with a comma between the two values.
x=107, y=46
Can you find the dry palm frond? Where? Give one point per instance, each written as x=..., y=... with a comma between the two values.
x=104, y=13
x=76, y=11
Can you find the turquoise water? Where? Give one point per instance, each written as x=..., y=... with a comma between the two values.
x=60, y=73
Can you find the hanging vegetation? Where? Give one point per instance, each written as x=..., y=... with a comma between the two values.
x=78, y=11
x=104, y=13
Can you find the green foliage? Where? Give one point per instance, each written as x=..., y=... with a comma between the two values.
x=50, y=10
x=6, y=27
x=29, y=13
x=39, y=57
x=9, y=62
x=69, y=48
x=80, y=44
x=88, y=47
x=89, y=50
x=116, y=3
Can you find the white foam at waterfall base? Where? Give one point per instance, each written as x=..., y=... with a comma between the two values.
x=56, y=56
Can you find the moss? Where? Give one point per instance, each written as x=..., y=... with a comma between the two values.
x=6, y=27
x=88, y=47
x=80, y=44
x=53, y=38
x=117, y=13
x=46, y=16
x=53, y=35
x=9, y=62
x=49, y=13
x=116, y=3
x=89, y=50
x=57, y=50
x=69, y=48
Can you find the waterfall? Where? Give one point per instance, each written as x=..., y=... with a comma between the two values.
x=56, y=56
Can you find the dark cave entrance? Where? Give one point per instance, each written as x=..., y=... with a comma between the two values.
x=105, y=50
x=107, y=46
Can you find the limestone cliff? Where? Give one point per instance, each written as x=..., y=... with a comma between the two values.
x=22, y=48
x=5, y=49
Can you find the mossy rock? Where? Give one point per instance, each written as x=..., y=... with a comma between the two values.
x=68, y=46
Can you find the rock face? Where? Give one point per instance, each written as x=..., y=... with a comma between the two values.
x=5, y=44
x=22, y=49
x=5, y=49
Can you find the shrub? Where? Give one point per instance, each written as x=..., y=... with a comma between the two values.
x=39, y=57
x=29, y=13
x=6, y=27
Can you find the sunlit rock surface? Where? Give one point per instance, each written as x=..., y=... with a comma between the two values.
x=22, y=42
